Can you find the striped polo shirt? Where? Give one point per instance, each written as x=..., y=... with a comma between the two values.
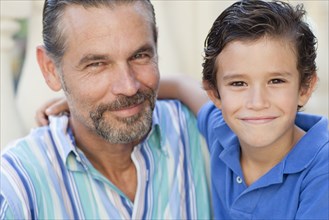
x=45, y=175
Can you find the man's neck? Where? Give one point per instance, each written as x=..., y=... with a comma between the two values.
x=112, y=160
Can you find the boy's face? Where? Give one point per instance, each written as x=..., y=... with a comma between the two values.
x=259, y=91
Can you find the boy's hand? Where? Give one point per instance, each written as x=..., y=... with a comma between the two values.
x=52, y=107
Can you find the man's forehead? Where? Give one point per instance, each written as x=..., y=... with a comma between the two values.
x=116, y=33
x=77, y=16
x=138, y=6
x=88, y=19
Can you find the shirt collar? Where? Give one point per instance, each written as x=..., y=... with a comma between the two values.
x=310, y=144
x=156, y=130
x=298, y=158
x=226, y=136
x=65, y=142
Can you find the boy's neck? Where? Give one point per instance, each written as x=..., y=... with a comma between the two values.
x=256, y=162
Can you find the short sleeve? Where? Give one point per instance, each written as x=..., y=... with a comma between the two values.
x=203, y=117
x=208, y=118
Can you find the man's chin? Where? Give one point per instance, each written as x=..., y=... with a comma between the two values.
x=120, y=130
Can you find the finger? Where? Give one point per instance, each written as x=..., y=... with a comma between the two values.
x=41, y=117
x=57, y=107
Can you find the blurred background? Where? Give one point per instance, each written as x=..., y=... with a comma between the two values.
x=183, y=26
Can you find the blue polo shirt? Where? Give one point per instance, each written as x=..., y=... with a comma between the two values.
x=296, y=188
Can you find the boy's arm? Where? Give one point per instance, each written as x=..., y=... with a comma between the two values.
x=186, y=89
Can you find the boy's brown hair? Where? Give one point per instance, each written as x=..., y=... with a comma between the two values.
x=249, y=20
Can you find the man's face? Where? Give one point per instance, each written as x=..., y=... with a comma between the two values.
x=109, y=71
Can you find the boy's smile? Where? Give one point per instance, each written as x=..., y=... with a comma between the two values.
x=258, y=119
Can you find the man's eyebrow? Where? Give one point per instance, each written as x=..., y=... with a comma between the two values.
x=92, y=57
x=96, y=57
x=145, y=48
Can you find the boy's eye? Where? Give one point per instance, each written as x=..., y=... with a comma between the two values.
x=276, y=81
x=238, y=83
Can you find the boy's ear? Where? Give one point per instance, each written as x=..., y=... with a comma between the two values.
x=212, y=94
x=305, y=93
x=48, y=69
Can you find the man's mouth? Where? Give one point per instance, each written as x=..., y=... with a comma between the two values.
x=128, y=111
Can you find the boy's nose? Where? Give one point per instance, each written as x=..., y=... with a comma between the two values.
x=257, y=98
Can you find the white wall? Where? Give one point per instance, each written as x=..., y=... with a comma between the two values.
x=183, y=26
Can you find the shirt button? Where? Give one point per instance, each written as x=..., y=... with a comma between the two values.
x=238, y=179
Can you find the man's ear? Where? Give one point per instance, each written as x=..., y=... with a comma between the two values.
x=305, y=93
x=212, y=94
x=48, y=69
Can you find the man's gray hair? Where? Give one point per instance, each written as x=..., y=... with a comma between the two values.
x=54, y=37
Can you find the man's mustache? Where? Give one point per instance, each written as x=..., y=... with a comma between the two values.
x=123, y=102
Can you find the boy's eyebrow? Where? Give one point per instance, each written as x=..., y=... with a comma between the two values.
x=239, y=75
x=282, y=73
x=233, y=76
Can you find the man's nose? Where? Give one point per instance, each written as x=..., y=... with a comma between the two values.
x=126, y=82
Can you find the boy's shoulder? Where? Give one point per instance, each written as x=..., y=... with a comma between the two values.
x=210, y=119
x=308, y=121
x=312, y=150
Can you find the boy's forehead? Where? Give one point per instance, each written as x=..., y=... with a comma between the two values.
x=264, y=54
x=281, y=41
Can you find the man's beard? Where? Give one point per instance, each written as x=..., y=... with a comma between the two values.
x=129, y=129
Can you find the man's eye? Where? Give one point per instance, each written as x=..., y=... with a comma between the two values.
x=96, y=64
x=276, y=81
x=140, y=56
x=238, y=83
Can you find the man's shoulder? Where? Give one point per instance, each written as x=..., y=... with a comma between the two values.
x=39, y=139
x=175, y=119
x=23, y=148
x=173, y=108
x=34, y=135
x=173, y=114
x=24, y=168
x=171, y=102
